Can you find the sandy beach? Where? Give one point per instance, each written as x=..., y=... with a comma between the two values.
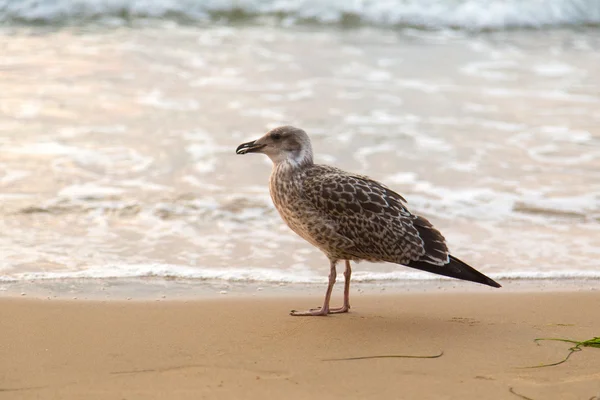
x=141, y=258
x=249, y=348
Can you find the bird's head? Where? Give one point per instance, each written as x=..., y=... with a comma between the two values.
x=282, y=144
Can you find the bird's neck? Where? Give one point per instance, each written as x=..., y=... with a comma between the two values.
x=285, y=169
x=295, y=160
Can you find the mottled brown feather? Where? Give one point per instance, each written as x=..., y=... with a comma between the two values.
x=373, y=217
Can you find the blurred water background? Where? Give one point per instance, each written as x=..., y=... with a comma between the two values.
x=119, y=120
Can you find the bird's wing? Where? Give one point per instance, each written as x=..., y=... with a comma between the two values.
x=373, y=218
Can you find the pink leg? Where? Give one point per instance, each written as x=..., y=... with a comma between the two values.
x=322, y=311
x=346, y=306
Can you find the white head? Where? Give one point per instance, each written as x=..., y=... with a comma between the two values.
x=283, y=144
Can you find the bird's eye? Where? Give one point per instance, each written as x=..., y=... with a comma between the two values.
x=276, y=136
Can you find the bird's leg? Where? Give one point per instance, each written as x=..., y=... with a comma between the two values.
x=325, y=309
x=346, y=306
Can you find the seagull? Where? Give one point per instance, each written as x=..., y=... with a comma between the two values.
x=349, y=217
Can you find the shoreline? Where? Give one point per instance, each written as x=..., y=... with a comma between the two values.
x=159, y=288
x=229, y=347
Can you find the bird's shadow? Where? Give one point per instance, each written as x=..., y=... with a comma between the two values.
x=373, y=326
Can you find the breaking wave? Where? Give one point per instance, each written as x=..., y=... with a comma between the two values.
x=427, y=14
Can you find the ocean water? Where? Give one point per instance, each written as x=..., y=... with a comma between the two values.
x=119, y=121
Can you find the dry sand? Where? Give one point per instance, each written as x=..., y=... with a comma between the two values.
x=251, y=349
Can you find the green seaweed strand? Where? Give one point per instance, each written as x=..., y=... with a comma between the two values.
x=383, y=356
x=595, y=342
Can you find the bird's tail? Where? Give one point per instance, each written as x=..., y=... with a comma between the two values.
x=455, y=269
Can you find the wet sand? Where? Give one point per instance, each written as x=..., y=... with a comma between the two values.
x=250, y=348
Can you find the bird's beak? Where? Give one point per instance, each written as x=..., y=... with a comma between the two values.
x=249, y=147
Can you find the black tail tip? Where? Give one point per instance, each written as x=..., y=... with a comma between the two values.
x=493, y=283
x=455, y=268
x=471, y=274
